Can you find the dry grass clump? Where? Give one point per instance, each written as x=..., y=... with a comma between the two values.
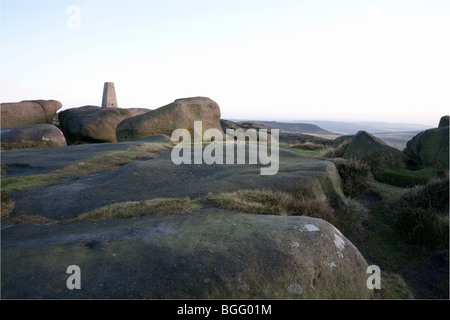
x=393, y=287
x=336, y=152
x=104, y=162
x=116, y=159
x=308, y=145
x=121, y=210
x=134, y=209
x=355, y=176
x=7, y=205
x=274, y=203
x=30, y=182
x=422, y=214
x=384, y=161
x=349, y=217
x=32, y=219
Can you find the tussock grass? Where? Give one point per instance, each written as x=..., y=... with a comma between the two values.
x=422, y=214
x=31, y=182
x=309, y=145
x=315, y=153
x=404, y=230
x=403, y=177
x=393, y=287
x=135, y=209
x=105, y=162
x=121, y=210
x=355, y=176
x=274, y=203
x=349, y=217
x=6, y=205
x=7, y=208
x=32, y=219
x=335, y=152
x=116, y=159
x=434, y=194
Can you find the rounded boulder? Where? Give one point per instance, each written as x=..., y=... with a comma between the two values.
x=15, y=114
x=209, y=254
x=36, y=136
x=179, y=114
x=91, y=124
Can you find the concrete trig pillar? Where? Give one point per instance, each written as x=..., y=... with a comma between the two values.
x=109, y=96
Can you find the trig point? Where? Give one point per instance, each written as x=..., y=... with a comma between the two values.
x=109, y=96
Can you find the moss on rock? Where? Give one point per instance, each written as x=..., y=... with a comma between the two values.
x=429, y=148
x=211, y=254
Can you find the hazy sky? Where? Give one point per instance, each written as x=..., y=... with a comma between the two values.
x=362, y=60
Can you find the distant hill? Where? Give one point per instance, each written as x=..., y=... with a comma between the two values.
x=397, y=139
x=295, y=127
x=396, y=134
x=346, y=128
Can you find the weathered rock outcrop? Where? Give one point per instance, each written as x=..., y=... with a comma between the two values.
x=429, y=148
x=23, y=113
x=159, y=177
x=444, y=122
x=253, y=125
x=227, y=124
x=367, y=148
x=36, y=136
x=208, y=254
x=90, y=124
x=179, y=114
x=339, y=141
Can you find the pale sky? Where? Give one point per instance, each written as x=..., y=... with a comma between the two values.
x=276, y=60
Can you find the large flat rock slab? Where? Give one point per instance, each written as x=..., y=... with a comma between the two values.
x=208, y=253
x=211, y=253
x=161, y=178
x=29, y=162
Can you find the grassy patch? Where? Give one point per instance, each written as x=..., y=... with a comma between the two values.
x=385, y=191
x=396, y=246
x=434, y=194
x=393, y=287
x=349, y=217
x=7, y=208
x=381, y=239
x=335, y=152
x=423, y=227
x=355, y=176
x=30, y=182
x=306, y=152
x=3, y=170
x=274, y=203
x=7, y=205
x=422, y=215
x=116, y=159
x=347, y=214
x=134, y=209
x=383, y=243
x=105, y=162
x=32, y=219
x=406, y=178
x=310, y=145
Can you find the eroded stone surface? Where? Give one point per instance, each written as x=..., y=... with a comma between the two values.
x=211, y=253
